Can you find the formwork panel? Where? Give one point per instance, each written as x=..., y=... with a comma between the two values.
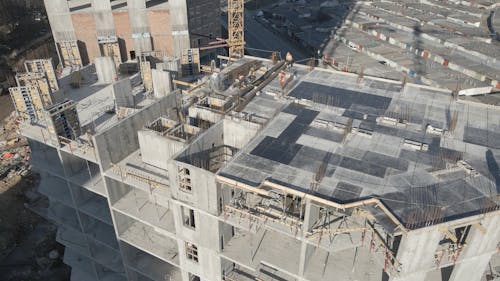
x=28, y=102
x=39, y=81
x=43, y=66
x=70, y=54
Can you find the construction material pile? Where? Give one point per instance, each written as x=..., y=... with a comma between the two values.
x=14, y=150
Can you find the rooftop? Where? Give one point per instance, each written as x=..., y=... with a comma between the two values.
x=425, y=155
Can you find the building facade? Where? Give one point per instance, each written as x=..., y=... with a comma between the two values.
x=287, y=182
x=86, y=29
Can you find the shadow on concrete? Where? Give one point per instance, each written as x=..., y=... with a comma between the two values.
x=493, y=168
x=26, y=238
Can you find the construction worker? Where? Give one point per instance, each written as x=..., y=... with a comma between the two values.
x=289, y=59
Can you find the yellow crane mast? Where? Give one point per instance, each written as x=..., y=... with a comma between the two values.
x=236, y=28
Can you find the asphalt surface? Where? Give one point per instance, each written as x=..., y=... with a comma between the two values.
x=259, y=36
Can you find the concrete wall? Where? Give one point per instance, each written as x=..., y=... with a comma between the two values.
x=156, y=150
x=416, y=254
x=205, y=236
x=162, y=82
x=237, y=133
x=105, y=69
x=139, y=23
x=113, y=145
x=122, y=92
x=205, y=114
x=479, y=250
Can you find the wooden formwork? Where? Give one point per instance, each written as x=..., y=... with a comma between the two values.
x=111, y=49
x=62, y=121
x=190, y=62
x=38, y=80
x=43, y=66
x=146, y=75
x=70, y=54
x=28, y=102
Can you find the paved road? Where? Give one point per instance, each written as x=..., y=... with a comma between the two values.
x=258, y=36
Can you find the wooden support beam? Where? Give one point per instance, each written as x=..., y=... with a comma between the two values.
x=226, y=58
x=480, y=227
x=448, y=234
x=260, y=190
x=187, y=84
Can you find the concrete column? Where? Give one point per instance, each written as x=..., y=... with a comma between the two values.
x=471, y=269
x=60, y=20
x=179, y=26
x=416, y=254
x=481, y=245
x=311, y=215
x=103, y=17
x=139, y=25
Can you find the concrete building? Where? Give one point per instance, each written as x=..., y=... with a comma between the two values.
x=262, y=172
x=448, y=44
x=123, y=29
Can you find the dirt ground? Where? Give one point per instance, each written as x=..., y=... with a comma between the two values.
x=6, y=106
x=26, y=239
x=28, y=250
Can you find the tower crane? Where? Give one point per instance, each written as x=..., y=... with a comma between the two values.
x=236, y=28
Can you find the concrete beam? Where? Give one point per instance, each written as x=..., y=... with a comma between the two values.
x=416, y=254
x=100, y=5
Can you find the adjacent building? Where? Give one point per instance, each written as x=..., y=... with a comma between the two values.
x=86, y=29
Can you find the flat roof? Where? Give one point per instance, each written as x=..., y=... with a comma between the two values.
x=373, y=139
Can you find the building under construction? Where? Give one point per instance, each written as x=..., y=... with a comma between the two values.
x=259, y=170
x=268, y=172
x=123, y=29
